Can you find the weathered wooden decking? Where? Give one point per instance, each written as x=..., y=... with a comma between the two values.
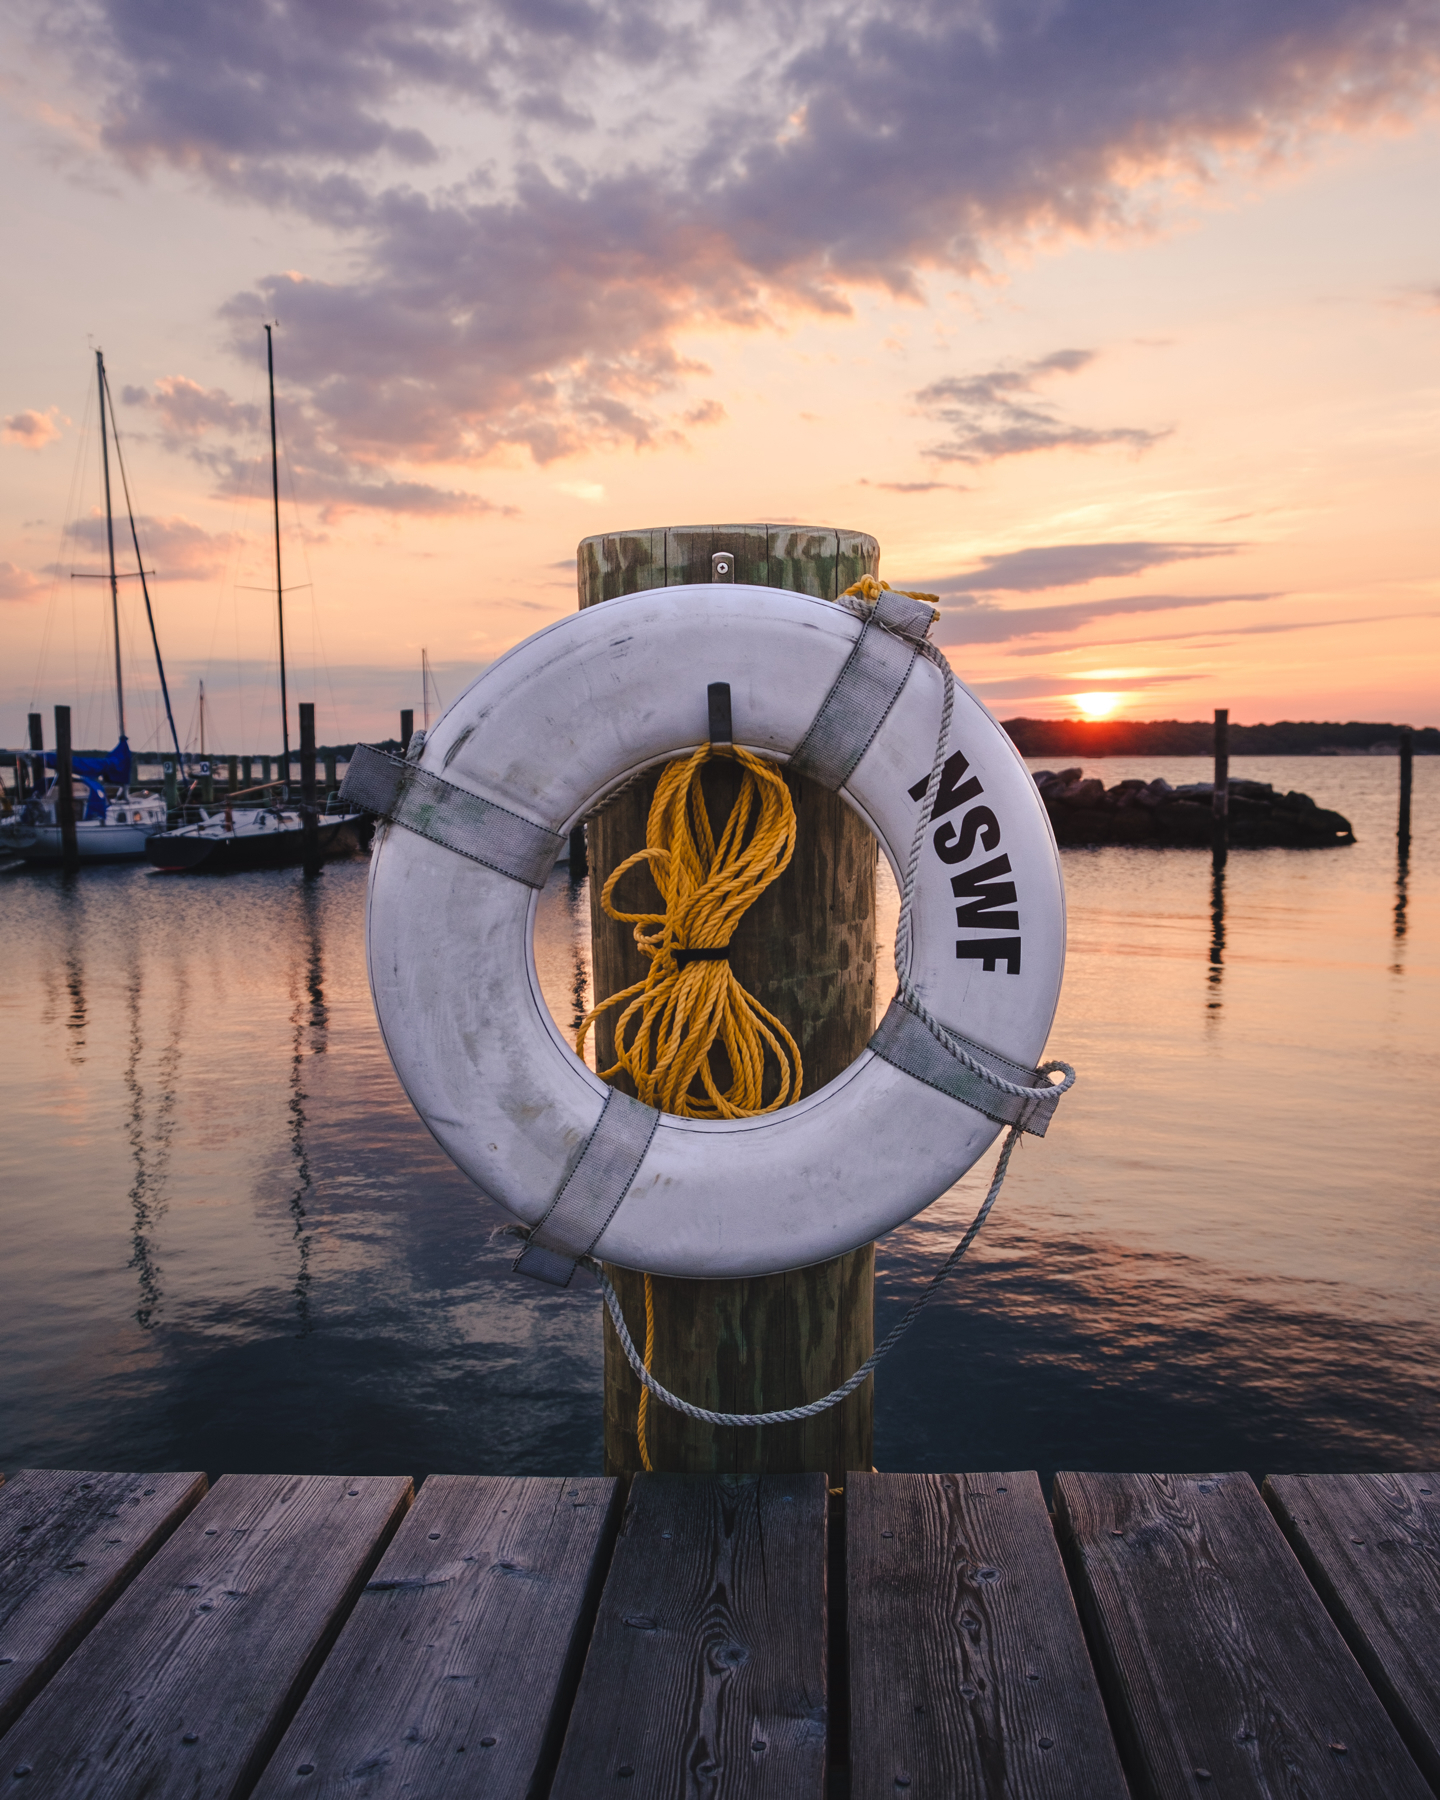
x=307, y=1636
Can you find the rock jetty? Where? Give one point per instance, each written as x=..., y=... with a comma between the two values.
x=1152, y=812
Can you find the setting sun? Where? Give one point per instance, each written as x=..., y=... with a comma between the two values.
x=1097, y=706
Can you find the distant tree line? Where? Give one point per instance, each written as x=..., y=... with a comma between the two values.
x=1084, y=738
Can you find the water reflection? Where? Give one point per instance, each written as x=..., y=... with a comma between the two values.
x=1217, y=931
x=144, y=1196
x=1402, y=897
x=309, y=1024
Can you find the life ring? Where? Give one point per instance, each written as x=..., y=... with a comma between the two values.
x=525, y=753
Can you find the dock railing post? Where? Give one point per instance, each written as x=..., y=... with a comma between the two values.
x=65, y=791
x=806, y=950
x=1407, y=776
x=407, y=728
x=37, y=754
x=1220, y=798
x=310, y=823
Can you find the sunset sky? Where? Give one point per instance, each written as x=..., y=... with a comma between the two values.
x=1116, y=321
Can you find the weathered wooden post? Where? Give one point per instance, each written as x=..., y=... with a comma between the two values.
x=1407, y=776
x=806, y=950
x=65, y=791
x=232, y=773
x=37, y=754
x=247, y=771
x=332, y=779
x=1220, y=800
x=265, y=770
x=407, y=728
x=309, y=823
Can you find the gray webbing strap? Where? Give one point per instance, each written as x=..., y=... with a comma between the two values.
x=864, y=690
x=590, y=1195
x=909, y=1044
x=406, y=794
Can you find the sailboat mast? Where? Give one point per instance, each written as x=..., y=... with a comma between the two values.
x=144, y=584
x=110, y=535
x=279, y=584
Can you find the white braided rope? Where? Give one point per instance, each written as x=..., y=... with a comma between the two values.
x=904, y=956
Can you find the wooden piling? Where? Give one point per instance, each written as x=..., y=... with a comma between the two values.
x=1407, y=777
x=407, y=728
x=65, y=791
x=332, y=779
x=806, y=950
x=37, y=754
x=1220, y=798
x=310, y=824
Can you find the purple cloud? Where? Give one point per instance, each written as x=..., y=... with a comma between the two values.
x=1044, y=566
x=1000, y=413
x=806, y=152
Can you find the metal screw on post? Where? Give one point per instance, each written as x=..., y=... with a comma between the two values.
x=722, y=566
x=65, y=791
x=311, y=825
x=1220, y=803
x=1407, y=776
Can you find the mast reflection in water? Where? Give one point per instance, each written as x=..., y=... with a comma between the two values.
x=230, y=1243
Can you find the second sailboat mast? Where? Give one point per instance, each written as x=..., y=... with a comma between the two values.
x=110, y=535
x=279, y=584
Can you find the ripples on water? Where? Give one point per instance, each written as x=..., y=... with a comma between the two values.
x=231, y=1245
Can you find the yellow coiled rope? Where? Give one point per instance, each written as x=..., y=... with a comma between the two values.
x=674, y=1019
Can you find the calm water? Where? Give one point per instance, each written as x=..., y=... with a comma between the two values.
x=230, y=1244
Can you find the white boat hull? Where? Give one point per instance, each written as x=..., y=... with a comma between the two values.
x=95, y=841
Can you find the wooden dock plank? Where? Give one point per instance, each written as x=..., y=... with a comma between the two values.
x=185, y=1684
x=968, y=1668
x=70, y=1539
x=706, y=1670
x=453, y=1675
x=1371, y=1545
x=1223, y=1671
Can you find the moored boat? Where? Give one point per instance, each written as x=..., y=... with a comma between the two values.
x=106, y=830
x=265, y=837
x=272, y=836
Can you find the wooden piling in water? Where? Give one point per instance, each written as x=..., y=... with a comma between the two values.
x=806, y=950
x=1407, y=776
x=37, y=754
x=65, y=791
x=310, y=824
x=407, y=728
x=1220, y=797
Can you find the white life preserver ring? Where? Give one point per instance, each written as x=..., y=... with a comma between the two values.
x=565, y=718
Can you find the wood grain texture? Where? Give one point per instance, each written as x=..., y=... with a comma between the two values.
x=806, y=950
x=1223, y=1671
x=1371, y=1546
x=453, y=1675
x=808, y=559
x=968, y=1668
x=184, y=1686
x=69, y=1542
x=706, y=1670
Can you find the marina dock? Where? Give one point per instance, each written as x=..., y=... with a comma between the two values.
x=936, y=1635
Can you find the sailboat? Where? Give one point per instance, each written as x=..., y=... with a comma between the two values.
x=108, y=828
x=272, y=836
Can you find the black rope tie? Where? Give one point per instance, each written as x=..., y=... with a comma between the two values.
x=717, y=953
